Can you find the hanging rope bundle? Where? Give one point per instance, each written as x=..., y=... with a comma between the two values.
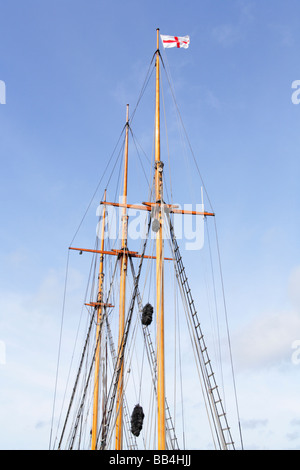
x=137, y=419
x=147, y=314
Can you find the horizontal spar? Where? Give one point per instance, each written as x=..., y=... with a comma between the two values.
x=148, y=207
x=98, y=304
x=133, y=254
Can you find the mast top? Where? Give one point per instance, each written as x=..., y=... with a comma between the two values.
x=157, y=40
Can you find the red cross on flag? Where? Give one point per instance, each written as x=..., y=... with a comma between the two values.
x=175, y=41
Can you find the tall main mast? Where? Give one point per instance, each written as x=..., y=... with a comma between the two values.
x=123, y=274
x=161, y=434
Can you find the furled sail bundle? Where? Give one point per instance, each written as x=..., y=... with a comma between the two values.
x=137, y=419
x=147, y=314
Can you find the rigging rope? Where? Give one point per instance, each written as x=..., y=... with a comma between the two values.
x=122, y=344
x=222, y=282
x=87, y=381
x=97, y=187
x=83, y=356
x=74, y=347
x=59, y=346
x=167, y=140
x=146, y=81
x=195, y=343
x=135, y=143
x=215, y=302
x=228, y=335
x=185, y=132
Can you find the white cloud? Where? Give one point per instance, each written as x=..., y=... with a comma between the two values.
x=294, y=288
x=284, y=33
x=268, y=339
x=254, y=423
x=267, y=378
x=228, y=34
x=30, y=325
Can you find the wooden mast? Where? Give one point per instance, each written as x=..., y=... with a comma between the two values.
x=159, y=267
x=124, y=259
x=98, y=331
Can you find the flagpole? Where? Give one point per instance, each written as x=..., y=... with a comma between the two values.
x=161, y=434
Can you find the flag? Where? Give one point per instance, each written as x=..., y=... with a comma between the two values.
x=175, y=41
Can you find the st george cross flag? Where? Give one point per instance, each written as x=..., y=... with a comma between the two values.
x=175, y=41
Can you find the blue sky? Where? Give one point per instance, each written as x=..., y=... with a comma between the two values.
x=69, y=68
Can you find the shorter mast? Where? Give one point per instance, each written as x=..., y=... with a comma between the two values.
x=123, y=274
x=99, y=307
